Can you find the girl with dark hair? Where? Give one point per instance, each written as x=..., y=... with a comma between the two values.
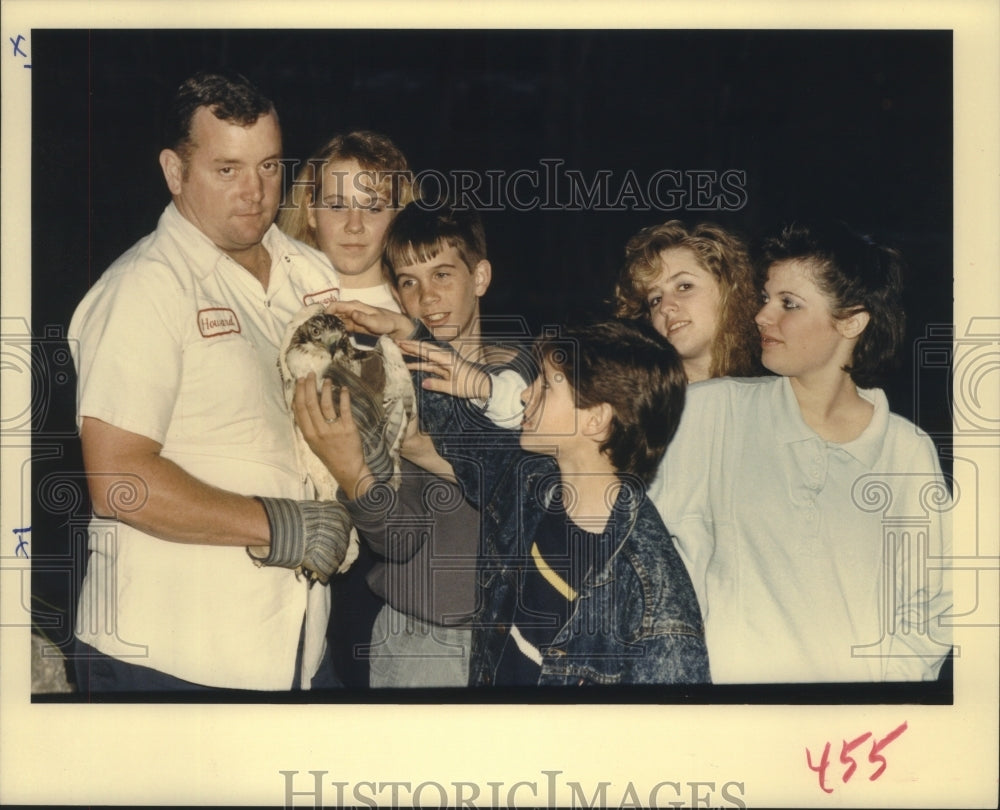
x=813, y=520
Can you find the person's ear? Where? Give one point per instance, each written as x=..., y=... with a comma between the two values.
x=853, y=325
x=173, y=170
x=482, y=275
x=310, y=210
x=596, y=421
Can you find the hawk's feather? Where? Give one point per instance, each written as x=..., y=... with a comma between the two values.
x=382, y=396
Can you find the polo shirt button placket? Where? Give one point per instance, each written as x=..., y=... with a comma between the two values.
x=816, y=473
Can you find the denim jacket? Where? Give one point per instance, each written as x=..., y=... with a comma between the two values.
x=636, y=620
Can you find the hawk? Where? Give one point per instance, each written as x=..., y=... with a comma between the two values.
x=382, y=396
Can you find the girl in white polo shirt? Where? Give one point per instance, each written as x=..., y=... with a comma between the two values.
x=813, y=521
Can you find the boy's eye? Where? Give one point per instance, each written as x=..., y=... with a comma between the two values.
x=406, y=283
x=269, y=166
x=227, y=171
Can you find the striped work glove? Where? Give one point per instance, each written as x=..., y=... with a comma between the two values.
x=309, y=536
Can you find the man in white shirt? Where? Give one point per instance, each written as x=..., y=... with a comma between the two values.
x=187, y=443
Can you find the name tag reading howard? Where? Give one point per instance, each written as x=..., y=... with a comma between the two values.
x=217, y=321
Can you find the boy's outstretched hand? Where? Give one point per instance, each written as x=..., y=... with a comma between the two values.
x=369, y=320
x=450, y=373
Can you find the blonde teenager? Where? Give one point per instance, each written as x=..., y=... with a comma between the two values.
x=696, y=286
x=343, y=201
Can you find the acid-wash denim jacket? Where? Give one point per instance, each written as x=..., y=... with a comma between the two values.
x=636, y=619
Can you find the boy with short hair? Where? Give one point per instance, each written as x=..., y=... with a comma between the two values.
x=426, y=535
x=581, y=582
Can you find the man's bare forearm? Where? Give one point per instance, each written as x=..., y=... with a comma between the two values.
x=129, y=480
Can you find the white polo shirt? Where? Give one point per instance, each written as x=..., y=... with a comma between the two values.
x=178, y=342
x=812, y=561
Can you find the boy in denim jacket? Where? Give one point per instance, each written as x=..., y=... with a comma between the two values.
x=580, y=582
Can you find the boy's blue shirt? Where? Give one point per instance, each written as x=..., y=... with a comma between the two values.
x=637, y=619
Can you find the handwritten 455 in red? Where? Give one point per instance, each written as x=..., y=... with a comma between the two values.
x=847, y=759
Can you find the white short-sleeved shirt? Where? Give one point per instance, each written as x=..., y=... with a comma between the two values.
x=179, y=343
x=812, y=561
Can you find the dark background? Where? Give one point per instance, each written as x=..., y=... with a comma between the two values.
x=851, y=124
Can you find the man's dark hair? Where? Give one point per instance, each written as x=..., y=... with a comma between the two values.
x=230, y=96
